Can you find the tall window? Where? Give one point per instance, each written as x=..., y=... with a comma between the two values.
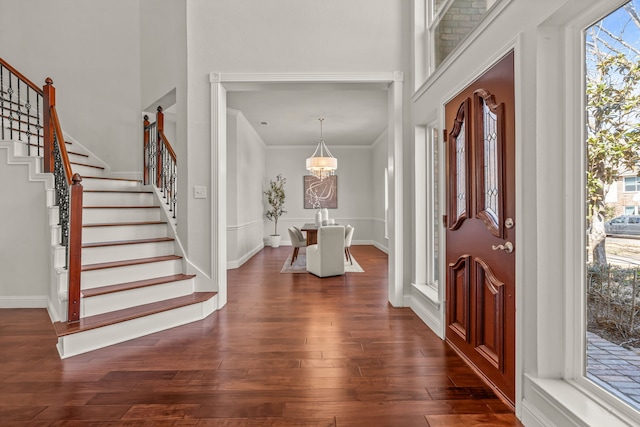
x=433, y=237
x=612, y=311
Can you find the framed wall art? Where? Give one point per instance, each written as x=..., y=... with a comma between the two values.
x=320, y=194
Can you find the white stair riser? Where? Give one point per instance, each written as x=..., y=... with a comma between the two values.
x=87, y=170
x=110, y=215
x=118, y=199
x=74, y=344
x=59, y=253
x=22, y=149
x=126, y=299
x=123, y=232
x=109, y=184
x=121, y=252
x=77, y=158
x=129, y=273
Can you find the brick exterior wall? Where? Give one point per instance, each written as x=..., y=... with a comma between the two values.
x=458, y=21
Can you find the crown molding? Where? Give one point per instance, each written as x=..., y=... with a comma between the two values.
x=372, y=77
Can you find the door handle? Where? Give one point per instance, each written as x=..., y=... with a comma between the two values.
x=507, y=247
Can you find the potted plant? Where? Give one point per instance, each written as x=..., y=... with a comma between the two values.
x=275, y=198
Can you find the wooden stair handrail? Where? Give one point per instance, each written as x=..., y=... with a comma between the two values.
x=21, y=76
x=53, y=133
x=61, y=145
x=69, y=191
x=157, y=151
x=167, y=145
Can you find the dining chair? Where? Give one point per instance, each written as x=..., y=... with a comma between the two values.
x=297, y=241
x=348, y=236
x=324, y=259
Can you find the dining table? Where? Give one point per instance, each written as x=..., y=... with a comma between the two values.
x=312, y=233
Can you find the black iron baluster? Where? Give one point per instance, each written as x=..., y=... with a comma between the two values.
x=62, y=198
x=19, y=112
x=10, y=93
x=165, y=165
x=38, y=127
x=27, y=106
x=151, y=154
x=174, y=178
x=2, y=93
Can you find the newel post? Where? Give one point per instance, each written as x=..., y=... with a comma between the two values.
x=160, y=128
x=145, y=147
x=49, y=100
x=75, y=249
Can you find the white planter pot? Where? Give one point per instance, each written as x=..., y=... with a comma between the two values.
x=274, y=240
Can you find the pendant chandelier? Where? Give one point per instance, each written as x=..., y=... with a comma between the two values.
x=322, y=164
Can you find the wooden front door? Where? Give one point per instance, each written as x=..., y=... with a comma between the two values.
x=480, y=225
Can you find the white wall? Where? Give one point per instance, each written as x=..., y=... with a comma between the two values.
x=25, y=237
x=355, y=188
x=91, y=50
x=245, y=172
x=276, y=36
x=162, y=48
x=379, y=164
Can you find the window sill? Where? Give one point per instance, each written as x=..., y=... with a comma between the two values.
x=430, y=292
x=557, y=402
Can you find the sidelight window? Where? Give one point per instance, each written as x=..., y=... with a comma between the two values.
x=612, y=288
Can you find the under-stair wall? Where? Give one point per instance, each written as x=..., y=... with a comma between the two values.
x=25, y=247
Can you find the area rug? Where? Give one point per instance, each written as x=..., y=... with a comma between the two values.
x=300, y=265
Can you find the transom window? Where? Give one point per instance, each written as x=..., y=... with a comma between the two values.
x=448, y=24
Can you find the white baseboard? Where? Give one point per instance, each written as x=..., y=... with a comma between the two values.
x=246, y=257
x=35, y=301
x=374, y=243
x=531, y=417
x=425, y=311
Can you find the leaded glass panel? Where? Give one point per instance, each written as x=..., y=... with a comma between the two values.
x=491, y=176
x=461, y=175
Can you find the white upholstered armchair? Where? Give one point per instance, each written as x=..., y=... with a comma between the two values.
x=325, y=258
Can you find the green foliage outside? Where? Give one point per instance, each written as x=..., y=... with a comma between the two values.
x=613, y=304
x=613, y=116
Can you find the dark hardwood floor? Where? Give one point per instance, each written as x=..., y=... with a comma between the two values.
x=287, y=350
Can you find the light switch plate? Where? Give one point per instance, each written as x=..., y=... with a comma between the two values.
x=199, y=192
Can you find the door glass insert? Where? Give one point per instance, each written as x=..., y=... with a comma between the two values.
x=458, y=164
x=461, y=176
x=490, y=162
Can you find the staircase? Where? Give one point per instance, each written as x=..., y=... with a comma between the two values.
x=132, y=278
x=133, y=283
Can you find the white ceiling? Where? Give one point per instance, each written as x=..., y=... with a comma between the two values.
x=354, y=115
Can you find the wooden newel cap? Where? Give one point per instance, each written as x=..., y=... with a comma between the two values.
x=146, y=118
x=77, y=179
x=48, y=81
x=159, y=109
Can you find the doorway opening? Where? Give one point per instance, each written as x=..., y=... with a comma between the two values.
x=222, y=84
